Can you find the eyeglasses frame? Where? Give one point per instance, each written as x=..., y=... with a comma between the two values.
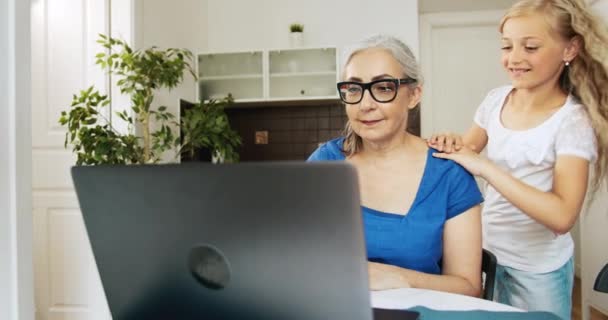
x=367, y=86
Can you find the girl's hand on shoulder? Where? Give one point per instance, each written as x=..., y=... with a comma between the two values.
x=385, y=277
x=446, y=142
x=466, y=157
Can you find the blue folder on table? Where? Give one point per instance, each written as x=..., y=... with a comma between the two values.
x=429, y=314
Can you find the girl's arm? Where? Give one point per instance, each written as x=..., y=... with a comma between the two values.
x=476, y=139
x=461, y=261
x=556, y=209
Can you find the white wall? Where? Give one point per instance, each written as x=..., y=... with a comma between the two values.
x=173, y=24
x=261, y=24
x=433, y=6
x=593, y=227
x=16, y=275
x=600, y=7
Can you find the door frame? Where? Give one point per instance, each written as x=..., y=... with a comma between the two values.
x=428, y=23
x=16, y=244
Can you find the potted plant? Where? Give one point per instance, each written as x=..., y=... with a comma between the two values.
x=139, y=73
x=296, y=31
x=205, y=132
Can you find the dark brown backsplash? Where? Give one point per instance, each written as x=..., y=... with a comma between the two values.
x=291, y=132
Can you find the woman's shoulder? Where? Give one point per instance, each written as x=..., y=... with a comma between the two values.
x=330, y=150
x=445, y=168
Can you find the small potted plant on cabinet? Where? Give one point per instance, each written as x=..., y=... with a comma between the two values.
x=296, y=31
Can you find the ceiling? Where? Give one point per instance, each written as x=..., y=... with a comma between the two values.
x=431, y=6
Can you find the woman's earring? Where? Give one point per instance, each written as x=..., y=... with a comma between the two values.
x=567, y=63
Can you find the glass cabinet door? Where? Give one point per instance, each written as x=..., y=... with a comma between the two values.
x=302, y=73
x=238, y=74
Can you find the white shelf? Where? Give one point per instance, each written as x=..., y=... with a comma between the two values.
x=269, y=75
x=252, y=100
x=303, y=74
x=303, y=98
x=232, y=77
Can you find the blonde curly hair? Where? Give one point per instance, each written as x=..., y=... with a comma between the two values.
x=587, y=76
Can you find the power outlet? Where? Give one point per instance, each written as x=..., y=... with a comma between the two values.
x=261, y=137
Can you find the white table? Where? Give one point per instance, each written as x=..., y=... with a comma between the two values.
x=437, y=300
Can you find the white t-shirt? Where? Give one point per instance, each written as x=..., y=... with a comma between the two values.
x=529, y=155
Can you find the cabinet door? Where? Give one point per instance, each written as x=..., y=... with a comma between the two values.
x=302, y=74
x=236, y=74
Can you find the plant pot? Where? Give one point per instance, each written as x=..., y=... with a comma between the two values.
x=201, y=155
x=295, y=39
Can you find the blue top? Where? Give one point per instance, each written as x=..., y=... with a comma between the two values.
x=415, y=240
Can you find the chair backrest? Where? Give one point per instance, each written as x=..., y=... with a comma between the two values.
x=488, y=270
x=601, y=282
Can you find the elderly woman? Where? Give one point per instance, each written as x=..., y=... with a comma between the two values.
x=421, y=214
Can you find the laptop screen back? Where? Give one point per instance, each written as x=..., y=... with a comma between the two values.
x=202, y=241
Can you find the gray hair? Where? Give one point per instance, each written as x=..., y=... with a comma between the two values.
x=399, y=50
x=404, y=56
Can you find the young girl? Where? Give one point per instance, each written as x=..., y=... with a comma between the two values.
x=541, y=133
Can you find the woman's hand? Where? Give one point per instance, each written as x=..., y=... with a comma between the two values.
x=470, y=160
x=446, y=142
x=385, y=276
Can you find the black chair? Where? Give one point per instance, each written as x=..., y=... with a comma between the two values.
x=601, y=282
x=488, y=269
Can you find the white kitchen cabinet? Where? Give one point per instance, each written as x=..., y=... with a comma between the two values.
x=302, y=74
x=269, y=75
x=240, y=74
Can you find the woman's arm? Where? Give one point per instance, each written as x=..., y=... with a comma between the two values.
x=461, y=261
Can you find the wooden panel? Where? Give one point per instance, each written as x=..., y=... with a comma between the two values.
x=69, y=264
x=67, y=281
x=51, y=169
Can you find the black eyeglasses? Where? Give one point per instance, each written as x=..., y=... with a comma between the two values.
x=383, y=90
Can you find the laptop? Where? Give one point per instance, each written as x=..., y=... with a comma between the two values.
x=233, y=241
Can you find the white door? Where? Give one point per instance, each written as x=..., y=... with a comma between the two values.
x=459, y=55
x=64, y=34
